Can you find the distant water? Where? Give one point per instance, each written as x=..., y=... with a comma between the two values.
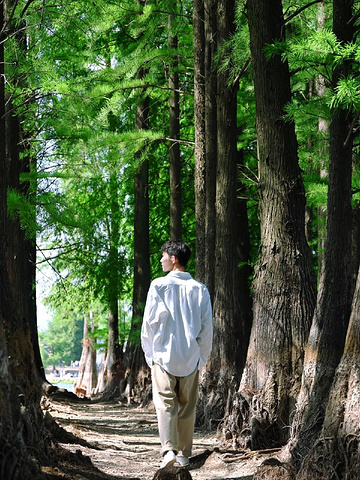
x=68, y=386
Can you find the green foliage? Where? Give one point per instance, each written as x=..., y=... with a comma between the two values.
x=78, y=108
x=19, y=207
x=347, y=94
x=61, y=342
x=83, y=64
x=317, y=194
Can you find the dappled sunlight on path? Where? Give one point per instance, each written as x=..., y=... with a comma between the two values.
x=122, y=443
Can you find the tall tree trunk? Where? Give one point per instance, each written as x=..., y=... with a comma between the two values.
x=336, y=454
x=9, y=411
x=323, y=130
x=113, y=356
x=174, y=130
x=231, y=312
x=3, y=170
x=355, y=240
x=137, y=373
x=330, y=322
x=22, y=435
x=87, y=377
x=211, y=141
x=284, y=282
x=21, y=254
x=225, y=358
x=113, y=372
x=245, y=270
x=200, y=144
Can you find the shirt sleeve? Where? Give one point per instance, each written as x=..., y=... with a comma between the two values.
x=206, y=333
x=147, y=336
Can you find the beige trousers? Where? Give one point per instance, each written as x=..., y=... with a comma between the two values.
x=175, y=401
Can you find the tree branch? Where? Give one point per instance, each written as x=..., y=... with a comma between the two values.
x=299, y=10
x=243, y=70
x=352, y=130
x=28, y=3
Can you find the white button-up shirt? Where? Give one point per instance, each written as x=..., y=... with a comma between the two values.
x=177, y=325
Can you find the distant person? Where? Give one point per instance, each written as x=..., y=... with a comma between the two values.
x=176, y=338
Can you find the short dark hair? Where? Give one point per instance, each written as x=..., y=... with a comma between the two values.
x=179, y=249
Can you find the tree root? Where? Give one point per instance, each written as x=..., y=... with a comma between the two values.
x=172, y=473
x=238, y=456
x=332, y=458
x=61, y=435
x=10, y=465
x=273, y=469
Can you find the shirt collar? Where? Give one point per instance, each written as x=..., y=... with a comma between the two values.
x=178, y=274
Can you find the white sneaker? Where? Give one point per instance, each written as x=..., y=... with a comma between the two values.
x=169, y=459
x=183, y=461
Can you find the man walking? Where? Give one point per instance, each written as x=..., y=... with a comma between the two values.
x=176, y=337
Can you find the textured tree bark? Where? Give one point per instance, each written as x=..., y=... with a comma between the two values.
x=336, y=453
x=323, y=129
x=21, y=254
x=22, y=437
x=87, y=377
x=134, y=361
x=355, y=241
x=200, y=144
x=9, y=452
x=284, y=282
x=330, y=322
x=3, y=173
x=113, y=372
x=211, y=141
x=174, y=130
x=225, y=358
x=232, y=313
x=23, y=441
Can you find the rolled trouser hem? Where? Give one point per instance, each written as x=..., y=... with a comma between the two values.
x=168, y=448
x=185, y=453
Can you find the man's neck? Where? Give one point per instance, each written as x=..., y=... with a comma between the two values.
x=178, y=268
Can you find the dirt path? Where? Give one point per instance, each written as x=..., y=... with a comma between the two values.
x=122, y=443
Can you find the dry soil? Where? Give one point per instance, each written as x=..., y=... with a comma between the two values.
x=112, y=441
